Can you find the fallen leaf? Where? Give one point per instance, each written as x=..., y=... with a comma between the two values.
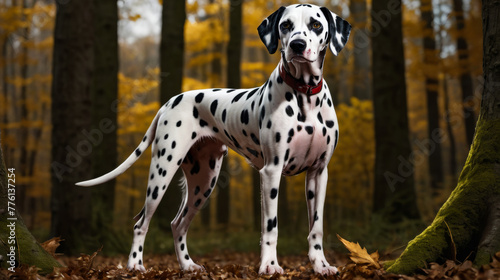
x=360, y=255
x=51, y=245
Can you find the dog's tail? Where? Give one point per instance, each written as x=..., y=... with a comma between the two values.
x=146, y=141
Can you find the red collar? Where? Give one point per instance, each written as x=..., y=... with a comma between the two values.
x=298, y=84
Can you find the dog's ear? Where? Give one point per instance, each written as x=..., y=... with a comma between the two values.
x=338, y=31
x=269, y=30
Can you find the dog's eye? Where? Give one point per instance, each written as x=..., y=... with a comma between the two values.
x=316, y=25
x=286, y=25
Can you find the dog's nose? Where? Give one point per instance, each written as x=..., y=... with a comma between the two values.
x=298, y=46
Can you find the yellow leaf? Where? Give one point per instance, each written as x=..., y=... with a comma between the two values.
x=360, y=255
x=375, y=255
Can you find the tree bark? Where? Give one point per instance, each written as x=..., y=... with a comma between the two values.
x=71, y=108
x=16, y=240
x=431, y=89
x=172, y=49
x=394, y=194
x=361, y=52
x=171, y=74
x=233, y=71
x=104, y=94
x=452, y=171
x=234, y=45
x=468, y=224
x=464, y=76
x=24, y=135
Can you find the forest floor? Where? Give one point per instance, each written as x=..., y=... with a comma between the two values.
x=226, y=265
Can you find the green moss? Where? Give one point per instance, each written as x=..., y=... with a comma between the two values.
x=427, y=246
x=388, y=264
x=32, y=253
x=464, y=210
x=27, y=249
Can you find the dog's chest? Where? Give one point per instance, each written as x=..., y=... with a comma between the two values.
x=310, y=139
x=269, y=126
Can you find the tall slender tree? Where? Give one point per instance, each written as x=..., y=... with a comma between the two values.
x=468, y=224
x=361, y=51
x=394, y=193
x=172, y=49
x=431, y=89
x=24, y=135
x=171, y=74
x=104, y=93
x=72, y=79
x=452, y=169
x=233, y=70
x=464, y=75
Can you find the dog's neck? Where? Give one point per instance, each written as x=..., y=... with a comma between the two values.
x=313, y=86
x=306, y=77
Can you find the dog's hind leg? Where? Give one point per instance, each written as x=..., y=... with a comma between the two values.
x=167, y=156
x=201, y=168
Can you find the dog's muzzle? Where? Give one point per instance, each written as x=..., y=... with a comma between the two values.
x=298, y=46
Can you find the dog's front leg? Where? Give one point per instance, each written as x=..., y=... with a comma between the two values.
x=316, y=182
x=270, y=176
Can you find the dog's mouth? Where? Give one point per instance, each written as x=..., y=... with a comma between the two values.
x=299, y=59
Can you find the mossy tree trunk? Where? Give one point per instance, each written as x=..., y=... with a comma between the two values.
x=468, y=224
x=18, y=246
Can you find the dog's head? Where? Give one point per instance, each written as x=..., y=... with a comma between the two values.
x=305, y=32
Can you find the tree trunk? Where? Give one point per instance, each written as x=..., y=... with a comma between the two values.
x=468, y=224
x=465, y=76
x=215, y=78
x=171, y=74
x=431, y=89
x=5, y=87
x=394, y=194
x=17, y=244
x=233, y=71
x=172, y=49
x=452, y=171
x=361, y=52
x=71, y=149
x=104, y=93
x=234, y=45
x=24, y=135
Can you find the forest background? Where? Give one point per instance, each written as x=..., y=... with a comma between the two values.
x=442, y=42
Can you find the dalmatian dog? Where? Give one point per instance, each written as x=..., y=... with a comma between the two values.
x=285, y=127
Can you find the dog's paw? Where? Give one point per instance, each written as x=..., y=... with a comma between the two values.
x=192, y=267
x=136, y=267
x=270, y=268
x=326, y=270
